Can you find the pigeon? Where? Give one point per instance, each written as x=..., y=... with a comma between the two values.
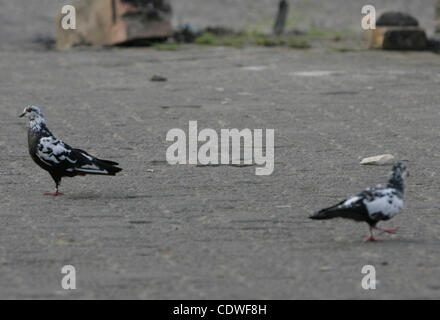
x=57, y=157
x=372, y=205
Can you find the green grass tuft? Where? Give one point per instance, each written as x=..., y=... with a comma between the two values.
x=239, y=40
x=207, y=38
x=165, y=46
x=299, y=44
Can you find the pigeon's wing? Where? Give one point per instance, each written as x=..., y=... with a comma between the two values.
x=383, y=204
x=351, y=208
x=358, y=200
x=351, y=202
x=55, y=153
x=60, y=156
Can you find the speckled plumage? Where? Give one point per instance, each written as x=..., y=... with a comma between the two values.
x=57, y=157
x=372, y=205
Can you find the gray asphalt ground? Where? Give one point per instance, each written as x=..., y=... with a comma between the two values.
x=189, y=232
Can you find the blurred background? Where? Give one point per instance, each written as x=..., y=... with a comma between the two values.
x=23, y=20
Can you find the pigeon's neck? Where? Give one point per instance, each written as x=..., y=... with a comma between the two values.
x=38, y=124
x=396, y=182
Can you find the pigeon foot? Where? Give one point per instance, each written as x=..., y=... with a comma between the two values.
x=55, y=194
x=371, y=239
x=390, y=231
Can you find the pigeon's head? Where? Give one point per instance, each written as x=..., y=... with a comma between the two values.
x=400, y=170
x=32, y=112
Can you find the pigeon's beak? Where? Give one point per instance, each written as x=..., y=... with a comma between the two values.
x=22, y=115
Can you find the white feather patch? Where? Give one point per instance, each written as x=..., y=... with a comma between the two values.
x=387, y=203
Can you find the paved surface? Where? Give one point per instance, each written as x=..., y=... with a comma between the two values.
x=160, y=232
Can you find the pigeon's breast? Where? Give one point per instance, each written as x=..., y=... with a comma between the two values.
x=33, y=140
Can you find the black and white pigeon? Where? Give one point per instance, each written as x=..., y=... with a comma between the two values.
x=57, y=157
x=372, y=205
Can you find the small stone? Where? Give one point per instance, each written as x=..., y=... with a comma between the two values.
x=325, y=268
x=157, y=78
x=378, y=160
x=255, y=68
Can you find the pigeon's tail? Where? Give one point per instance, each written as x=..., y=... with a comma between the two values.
x=98, y=167
x=92, y=165
x=109, y=166
x=109, y=163
x=332, y=212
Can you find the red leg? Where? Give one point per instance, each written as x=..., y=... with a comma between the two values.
x=55, y=193
x=371, y=237
x=390, y=231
